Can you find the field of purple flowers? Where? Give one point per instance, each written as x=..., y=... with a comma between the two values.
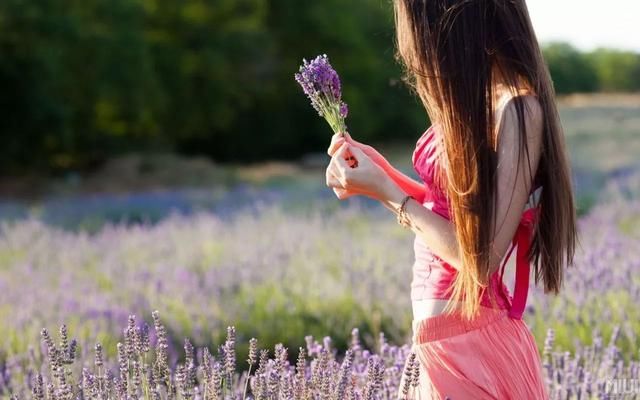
x=279, y=277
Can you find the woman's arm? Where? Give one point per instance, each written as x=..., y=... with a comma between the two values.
x=436, y=231
x=406, y=183
x=513, y=186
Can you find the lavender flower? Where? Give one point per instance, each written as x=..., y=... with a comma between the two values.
x=72, y=351
x=189, y=364
x=144, y=338
x=408, y=374
x=38, y=388
x=230, y=354
x=345, y=375
x=375, y=371
x=52, y=350
x=415, y=377
x=64, y=344
x=253, y=351
x=122, y=363
x=355, y=339
x=216, y=380
x=129, y=338
x=321, y=83
x=99, y=360
x=301, y=374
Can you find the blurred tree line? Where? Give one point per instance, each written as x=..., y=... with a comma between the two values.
x=84, y=80
x=601, y=70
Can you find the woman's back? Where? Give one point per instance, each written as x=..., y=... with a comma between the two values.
x=433, y=277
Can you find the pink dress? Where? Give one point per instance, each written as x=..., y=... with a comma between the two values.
x=493, y=356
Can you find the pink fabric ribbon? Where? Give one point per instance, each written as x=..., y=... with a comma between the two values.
x=522, y=239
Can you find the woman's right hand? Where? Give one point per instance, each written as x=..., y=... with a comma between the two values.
x=409, y=185
x=373, y=154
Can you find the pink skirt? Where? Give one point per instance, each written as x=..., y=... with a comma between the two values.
x=491, y=357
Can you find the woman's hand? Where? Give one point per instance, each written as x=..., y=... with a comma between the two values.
x=337, y=140
x=364, y=177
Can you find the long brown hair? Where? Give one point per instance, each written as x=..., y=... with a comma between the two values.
x=451, y=50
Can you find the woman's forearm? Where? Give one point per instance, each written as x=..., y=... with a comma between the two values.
x=406, y=183
x=437, y=232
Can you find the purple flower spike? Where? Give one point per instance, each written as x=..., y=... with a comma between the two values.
x=321, y=83
x=344, y=110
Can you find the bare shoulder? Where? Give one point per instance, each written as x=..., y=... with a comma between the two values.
x=533, y=119
x=533, y=114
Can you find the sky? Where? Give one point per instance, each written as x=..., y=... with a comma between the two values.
x=588, y=24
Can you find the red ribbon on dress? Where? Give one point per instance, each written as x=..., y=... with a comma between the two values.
x=522, y=239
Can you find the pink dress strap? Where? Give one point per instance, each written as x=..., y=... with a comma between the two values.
x=521, y=239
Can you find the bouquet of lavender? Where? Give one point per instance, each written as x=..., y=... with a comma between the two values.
x=321, y=84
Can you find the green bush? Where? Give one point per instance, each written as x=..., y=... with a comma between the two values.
x=84, y=81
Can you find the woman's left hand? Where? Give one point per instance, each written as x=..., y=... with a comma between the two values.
x=365, y=177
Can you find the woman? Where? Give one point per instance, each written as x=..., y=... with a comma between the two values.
x=495, y=174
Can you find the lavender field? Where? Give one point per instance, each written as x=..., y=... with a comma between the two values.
x=322, y=285
x=281, y=276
